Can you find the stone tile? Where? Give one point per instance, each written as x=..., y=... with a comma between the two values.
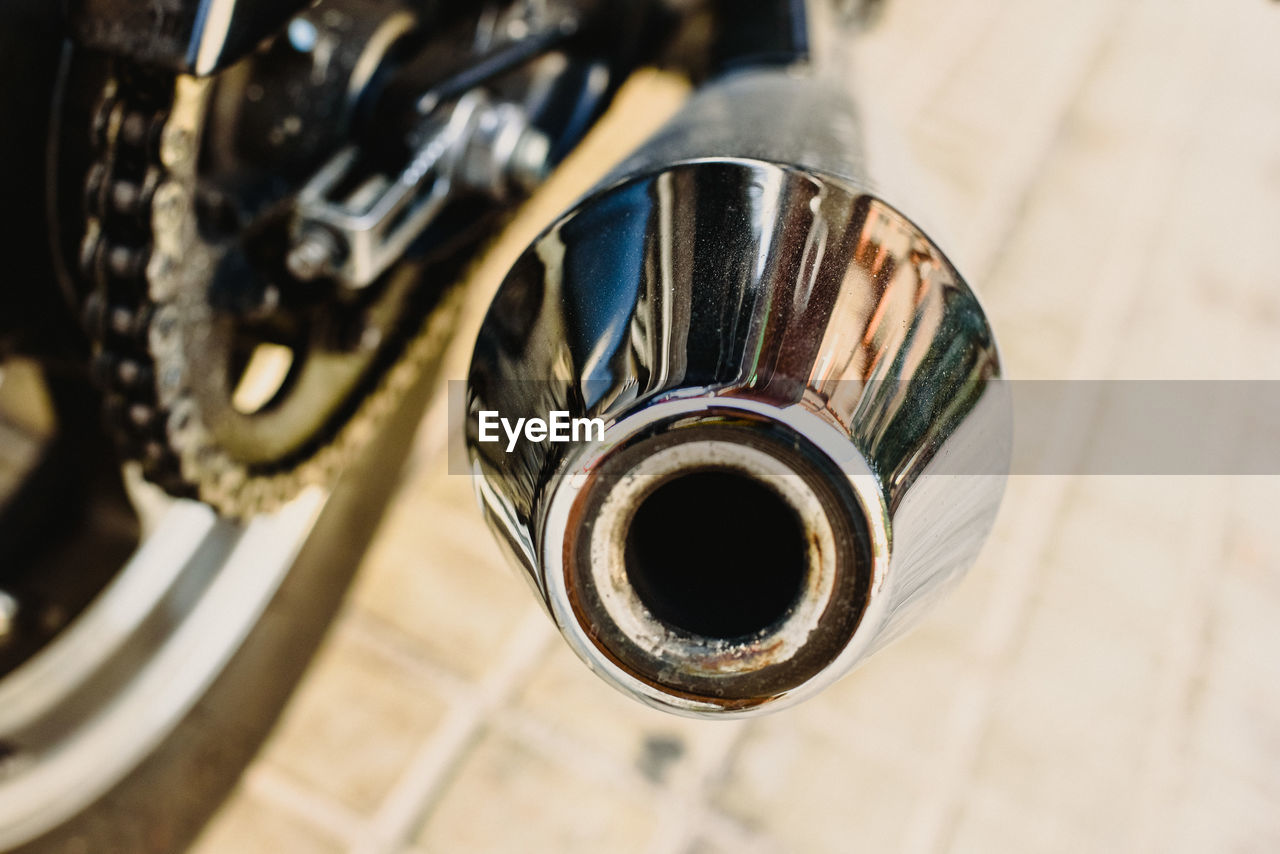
x=658, y=747
x=899, y=701
x=1121, y=557
x=355, y=722
x=946, y=34
x=506, y=797
x=813, y=794
x=247, y=825
x=1219, y=813
x=437, y=576
x=707, y=845
x=1253, y=538
x=735, y=842
x=984, y=162
x=1064, y=737
x=1235, y=710
x=986, y=824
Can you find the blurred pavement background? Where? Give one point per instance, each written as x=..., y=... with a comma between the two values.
x=1107, y=678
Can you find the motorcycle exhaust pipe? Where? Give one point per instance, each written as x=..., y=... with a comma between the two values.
x=801, y=437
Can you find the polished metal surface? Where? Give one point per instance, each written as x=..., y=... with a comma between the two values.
x=735, y=301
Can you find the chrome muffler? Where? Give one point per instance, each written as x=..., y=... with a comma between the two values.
x=803, y=439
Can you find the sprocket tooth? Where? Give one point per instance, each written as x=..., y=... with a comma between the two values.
x=148, y=265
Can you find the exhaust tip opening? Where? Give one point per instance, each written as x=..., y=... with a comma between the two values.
x=721, y=564
x=717, y=554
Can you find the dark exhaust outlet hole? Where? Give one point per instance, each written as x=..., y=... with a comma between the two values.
x=716, y=553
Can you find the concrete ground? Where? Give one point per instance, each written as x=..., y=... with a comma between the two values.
x=1107, y=678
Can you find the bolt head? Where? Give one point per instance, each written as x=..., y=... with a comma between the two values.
x=313, y=255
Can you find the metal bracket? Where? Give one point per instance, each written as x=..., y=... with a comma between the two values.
x=353, y=230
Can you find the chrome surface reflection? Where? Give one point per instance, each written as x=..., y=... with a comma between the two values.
x=736, y=301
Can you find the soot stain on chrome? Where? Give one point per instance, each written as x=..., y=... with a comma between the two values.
x=730, y=670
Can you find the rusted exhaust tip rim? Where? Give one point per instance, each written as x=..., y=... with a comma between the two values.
x=720, y=560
